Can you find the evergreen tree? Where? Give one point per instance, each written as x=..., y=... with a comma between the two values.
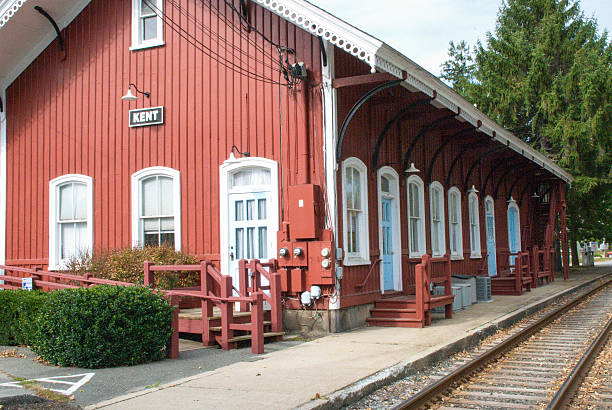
x=546, y=75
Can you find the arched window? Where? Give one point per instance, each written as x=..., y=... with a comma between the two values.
x=70, y=218
x=355, y=201
x=156, y=207
x=474, y=216
x=514, y=227
x=416, y=216
x=454, y=223
x=436, y=211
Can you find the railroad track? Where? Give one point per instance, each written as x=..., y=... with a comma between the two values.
x=541, y=366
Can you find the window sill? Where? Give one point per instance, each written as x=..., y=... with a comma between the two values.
x=476, y=256
x=456, y=257
x=355, y=261
x=152, y=44
x=416, y=254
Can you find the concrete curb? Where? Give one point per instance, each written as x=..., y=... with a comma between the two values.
x=363, y=387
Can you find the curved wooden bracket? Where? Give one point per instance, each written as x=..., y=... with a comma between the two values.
x=501, y=163
x=422, y=132
x=60, y=39
x=477, y=162
x=458, y=157
x=356, y=107
x=396, y=118
x=449, y=139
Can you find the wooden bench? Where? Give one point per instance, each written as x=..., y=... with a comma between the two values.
x=513, y=274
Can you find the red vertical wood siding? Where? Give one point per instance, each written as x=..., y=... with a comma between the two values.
x=360, y=142
x=67, y=117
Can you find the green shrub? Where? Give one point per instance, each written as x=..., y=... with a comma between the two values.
x=19, y=311
x=126, y=265
x=103, y=326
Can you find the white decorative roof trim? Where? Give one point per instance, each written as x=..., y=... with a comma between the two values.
x=322, y=24
x=443, y=102
x=463, y=117
x=8, y=8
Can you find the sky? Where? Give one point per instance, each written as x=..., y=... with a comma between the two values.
x=422, y=29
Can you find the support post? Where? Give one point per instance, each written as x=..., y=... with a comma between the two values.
x=173, y=351
x=564, y=246
x=243, y=283
x=227, y=312
x=208, y=339
x=275, y=295
x=448, y=290
x=257, y=330
x=149, y=279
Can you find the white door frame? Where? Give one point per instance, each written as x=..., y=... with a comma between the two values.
x=226, y=170
x=489, y=199
x=393, y=178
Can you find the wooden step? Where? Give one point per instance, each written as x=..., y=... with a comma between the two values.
x=248, y=337
x=392, y=313
x=218, y=328
x=394, y=304
x=395, y=322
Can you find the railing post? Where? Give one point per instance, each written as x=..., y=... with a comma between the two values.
x=518, y=274
x=243, y=279
x=535, y=266
x=208, y=339
x=448, y=288
x=149, y=279
x=255, y=276
x=257, y=328
x=227, y=312
x=275, y=295
x=173, y=351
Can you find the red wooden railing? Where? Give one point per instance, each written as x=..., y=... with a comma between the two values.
x=211, y=280
x=516, y=266
x=432, y=271
x=542, y=264
x=255, y=271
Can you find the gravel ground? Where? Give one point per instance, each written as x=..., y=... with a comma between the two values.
x=390, y=396
x=31, y=402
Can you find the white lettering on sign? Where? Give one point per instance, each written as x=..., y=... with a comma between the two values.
x=146, y=116
x=27, y=283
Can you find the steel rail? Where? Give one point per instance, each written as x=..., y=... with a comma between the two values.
x=437, y=389
x=568, y=389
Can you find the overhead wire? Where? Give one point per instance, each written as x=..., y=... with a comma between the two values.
x=206, y=50
x=223, y=43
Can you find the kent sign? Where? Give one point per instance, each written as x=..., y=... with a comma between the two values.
x=146, y=116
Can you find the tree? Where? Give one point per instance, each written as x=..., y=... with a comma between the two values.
x=545, y=74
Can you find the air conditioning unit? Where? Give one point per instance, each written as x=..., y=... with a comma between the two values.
x=466, y=294
x=483, y=288
x=467, y=279
x=458, y=294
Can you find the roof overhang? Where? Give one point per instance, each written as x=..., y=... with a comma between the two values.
x=25, y=33
x=381, y=57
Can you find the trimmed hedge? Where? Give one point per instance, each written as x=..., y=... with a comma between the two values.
x=20, y=309
x=103, y=326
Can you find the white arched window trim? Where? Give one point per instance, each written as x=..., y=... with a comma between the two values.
x=512, y=205
x=393, y=177
x=137, y=178
x=489, y=200
x=55, y=262
x=474, y=223
x=437, y=190
x=231, y=166
x=455, y=226
x=420, y=220
x=362, y=257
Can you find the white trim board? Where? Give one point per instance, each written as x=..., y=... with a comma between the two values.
x=393, y=177
x=3, y=131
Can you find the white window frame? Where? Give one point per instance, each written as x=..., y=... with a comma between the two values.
x=226, y=172
x=137, y=42
x=475, y=246
x=137, y=178
x=414, y=179
x=456, y=254
x=436, y=188
x=393, y=177
x=512, y=204
x=55, y=262
x=363, y=256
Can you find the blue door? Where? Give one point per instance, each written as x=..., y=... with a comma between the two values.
x=490, y=228
x=513, y=232
x=387, y=243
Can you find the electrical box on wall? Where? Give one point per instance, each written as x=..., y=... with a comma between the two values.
x=305, y=211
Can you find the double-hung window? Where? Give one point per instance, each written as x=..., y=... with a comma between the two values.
x=416, y=216
x=454, y=223
x=71, y=219
x=436, y=201
x=355, y=200
x=147, y=24
x=156, y=207
x=474, y=225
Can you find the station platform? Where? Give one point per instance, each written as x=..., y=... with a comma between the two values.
x=331, y=371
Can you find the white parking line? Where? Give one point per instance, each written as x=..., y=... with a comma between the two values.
x=72, y=385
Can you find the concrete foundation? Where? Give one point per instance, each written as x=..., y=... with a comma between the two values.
x=312, y=324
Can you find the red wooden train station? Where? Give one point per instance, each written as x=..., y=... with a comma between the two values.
x=307, y=164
